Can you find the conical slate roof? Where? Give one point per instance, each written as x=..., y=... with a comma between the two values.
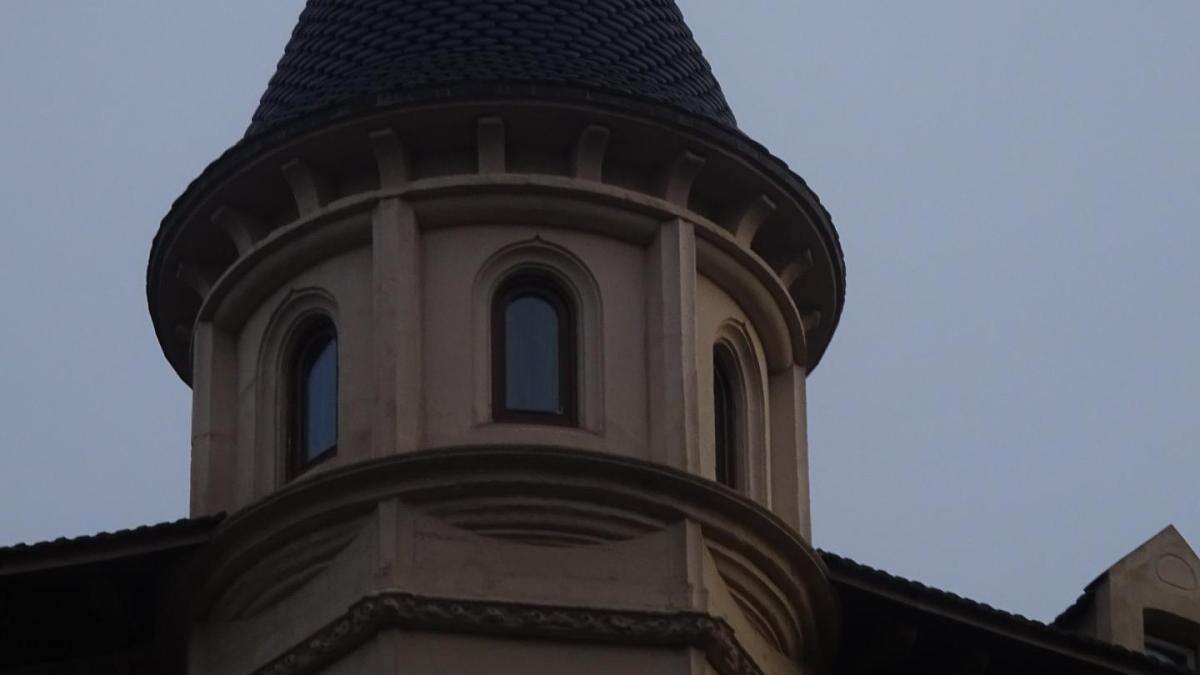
x=366, y=51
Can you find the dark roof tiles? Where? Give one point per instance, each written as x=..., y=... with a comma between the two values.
x=344, y=51
x=145, y=533
x=913, y=592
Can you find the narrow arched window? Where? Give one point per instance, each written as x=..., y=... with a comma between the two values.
x=726, y=418
x=314, y=402
x=533, y=352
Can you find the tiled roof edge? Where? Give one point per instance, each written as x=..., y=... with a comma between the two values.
x=163, y=532
x=1081, y=603
x=986, y=614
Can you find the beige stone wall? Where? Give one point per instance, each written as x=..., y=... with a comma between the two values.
x=420, y=377
x=719, y=319
x=412, y=309
x=671, y=243
x=462, y=266
x=437, y=538
x=614, y=560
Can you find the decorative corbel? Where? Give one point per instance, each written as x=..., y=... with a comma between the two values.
x=491, y=146
x=587, y=162
x=677, y=177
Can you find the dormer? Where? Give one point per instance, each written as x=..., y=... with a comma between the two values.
x=1149, y=601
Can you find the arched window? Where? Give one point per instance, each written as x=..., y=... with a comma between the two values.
x=314, y=402
x=533, y=352
x=726, y=418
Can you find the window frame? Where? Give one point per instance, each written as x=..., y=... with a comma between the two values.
x=726, y=371
x=1166, y=635
x=540, y=284
x=1161, y=649
x=314, y=337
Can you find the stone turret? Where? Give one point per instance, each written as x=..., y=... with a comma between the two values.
x=498, y=331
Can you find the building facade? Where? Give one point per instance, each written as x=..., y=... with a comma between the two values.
x=498, y=330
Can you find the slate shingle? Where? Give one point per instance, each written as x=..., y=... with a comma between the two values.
x=350, y=50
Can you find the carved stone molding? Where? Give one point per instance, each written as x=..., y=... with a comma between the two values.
x=609, y=497
x=406, y=611
x=284, y=570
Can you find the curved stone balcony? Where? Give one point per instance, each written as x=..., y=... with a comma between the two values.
x=566, y=561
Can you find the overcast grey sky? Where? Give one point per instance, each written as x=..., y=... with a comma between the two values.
x=1009, y=404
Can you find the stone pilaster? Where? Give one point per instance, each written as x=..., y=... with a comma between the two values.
x=214, y=420
x=789, y=451
x=671, y=346
x=397, y=327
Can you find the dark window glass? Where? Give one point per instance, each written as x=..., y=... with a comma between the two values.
x=315, y=403
x=533, y=356
x=725, y=422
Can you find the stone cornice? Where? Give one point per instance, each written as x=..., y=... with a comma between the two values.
x=610, y=161
x=466, y=200
x=405, y=611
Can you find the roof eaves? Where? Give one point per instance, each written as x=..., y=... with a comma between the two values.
x=248, y=147
x=103, y=546
x=1081, y=604
x=956, y=607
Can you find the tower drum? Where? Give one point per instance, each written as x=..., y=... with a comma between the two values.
x=498, y=331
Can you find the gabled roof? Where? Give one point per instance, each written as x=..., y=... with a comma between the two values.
x=364, y=51
x=1169, y=536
